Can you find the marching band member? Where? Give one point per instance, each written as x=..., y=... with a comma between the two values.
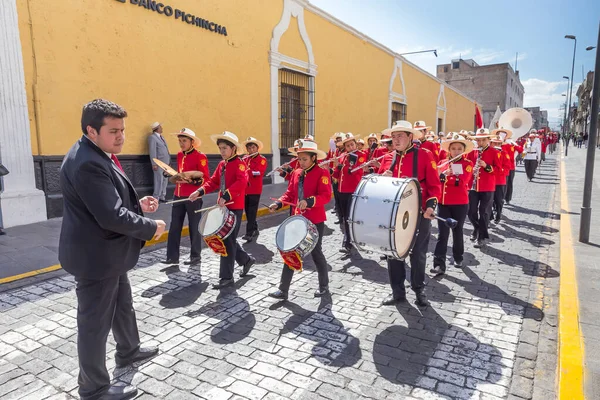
x=332, y=155
x=373, y=145
x=483, y=186
x=511, y=149
x=533, y=151
x=500, y=174
x=257, y=165
x=347, y=182
x=430, y=144
x=405, y=162
x=454, y=202
x=230, y=179
x=310, y=189
x=360, y=144
x=192, y=168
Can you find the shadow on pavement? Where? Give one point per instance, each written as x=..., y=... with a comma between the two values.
x=186, y=292
x=259, y=251
x=528, y=266
x=533, y=240
x=369, y=269
x=525, y=224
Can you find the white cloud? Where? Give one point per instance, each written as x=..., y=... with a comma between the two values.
x=548, y=96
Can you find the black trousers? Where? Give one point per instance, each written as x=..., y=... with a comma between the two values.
x=509, y=185
x=530, y=167
x=459, y=213
x=251, y=207
x=344, y=200
x=235, y=252
x=178, y=213
x=336, y=199
x=319, y=259
x=479, y=203
x=418, y=259
x=102, y=305
x=498, y=201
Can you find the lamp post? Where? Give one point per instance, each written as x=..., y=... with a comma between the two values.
x=571, y=85
x=565, y=126
x=588, y=49
x=434, y=51
x=565, y=139
x=586, y=209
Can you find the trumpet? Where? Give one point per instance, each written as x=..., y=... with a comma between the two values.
x=367, y=163
x=281, y=166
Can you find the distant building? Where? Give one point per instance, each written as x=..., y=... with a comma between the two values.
x=582, y=117
x=490, y=85
x=540, y=117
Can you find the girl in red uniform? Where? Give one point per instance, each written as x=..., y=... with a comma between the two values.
x=231, y=179
x=257, y=165
x=310, y=190
x=192, y=168
x=454, y=202
x=501, y=173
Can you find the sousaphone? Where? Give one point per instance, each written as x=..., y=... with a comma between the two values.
x=517, y=119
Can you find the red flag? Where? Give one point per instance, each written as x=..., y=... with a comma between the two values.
x=478, y=117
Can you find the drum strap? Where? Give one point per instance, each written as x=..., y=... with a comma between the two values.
x=222, y=183
x=394, y=161
x=301, y=187
x=415, y=172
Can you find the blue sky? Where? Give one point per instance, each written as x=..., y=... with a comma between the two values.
x=489, y=32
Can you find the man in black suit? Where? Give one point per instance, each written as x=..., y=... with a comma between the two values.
x=103, y=231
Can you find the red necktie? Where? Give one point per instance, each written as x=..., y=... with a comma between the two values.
x=116, y=161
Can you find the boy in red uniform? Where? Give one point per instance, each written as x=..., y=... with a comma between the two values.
x=454, y=202
x=510, y=148
x=231, y=179
x=483, y=186
x=347, y=182
x=501, y=173
x=401, y=163
x=310, y=190
x=257, y=165
x=192, y=168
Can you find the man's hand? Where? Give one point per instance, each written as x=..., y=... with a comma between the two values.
x=221, y=202
x=194, y=196
x=482, y=164
x=155, y=167
x=160, y=228
x=149, y=204
x=429, y=213
x=273, y=207
x=302, y=205
x=387, y=173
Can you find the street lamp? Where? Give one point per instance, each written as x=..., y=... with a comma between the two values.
x=571, y=87
x=586, y=209
x=565, y=127
x=422, y=51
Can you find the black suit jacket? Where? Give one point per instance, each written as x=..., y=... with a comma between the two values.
x=103, y=227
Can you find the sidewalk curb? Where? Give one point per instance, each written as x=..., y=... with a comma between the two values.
x=163, y=238
x=570, y=346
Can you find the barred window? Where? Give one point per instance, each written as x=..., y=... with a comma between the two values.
x=295, y=108
x=398, y=112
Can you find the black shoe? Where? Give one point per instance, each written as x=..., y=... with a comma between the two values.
x=474, y=236
x=391, y=300
x=322, y=292
x=247, y=267
x=421, y=299
x=247, y=238
x=437, y=270
x=479, y=244
x=143, y=353
x=382, y=258
x=193, y=261
x=222, y=283
x=497, y=221
x=337, y=222
x=458, y=264
x=122, y=392
x=2, y=232
x=255, y=234
x=278, y=294
x=170, y=261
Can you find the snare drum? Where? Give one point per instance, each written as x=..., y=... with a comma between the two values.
x=215, y=226
x=384, y=215
x=296, y=237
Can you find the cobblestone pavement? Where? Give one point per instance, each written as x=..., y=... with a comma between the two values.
x=490, y=332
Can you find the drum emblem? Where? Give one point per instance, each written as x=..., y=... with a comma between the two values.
x=408, y=193
x=405, y=219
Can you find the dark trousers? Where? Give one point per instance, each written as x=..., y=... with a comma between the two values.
x=344, y=200
x=418, y=259
x=479, y=203
x=530, y=167
x=320, y=262
x=178, y=213
x=459, y=213
x=509, y=186
x=251, y=207
x=235, y=252
x=102, y=305
x=498, y=202
x=336, y=198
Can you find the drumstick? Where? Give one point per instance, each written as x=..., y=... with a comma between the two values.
x=211, y=207
x=176, y=201
x=287, y=203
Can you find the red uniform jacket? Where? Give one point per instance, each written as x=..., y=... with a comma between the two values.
x=427, y=174
x=317, y=192
x=432, y=147
x=510, y=150
x=348, y=181
x=192, y=160
x=544, y=144
x=380, y=151
x=503, y=168
x=236, y=181
x=486, y=181
x=257, y=165
x=455, y=188
x=443, y=156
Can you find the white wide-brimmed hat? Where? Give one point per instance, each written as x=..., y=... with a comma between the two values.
x=482, y=133
x=155, y=125
x=420, y=125
x=346, y=137
x=360, y=141
x=190, y=134
x=500, y=131
x=337, y=135
x=456, y=138
x=372, y=136
x=308, y=146
x=230, y=137
x=253, y=140
x=403, y=126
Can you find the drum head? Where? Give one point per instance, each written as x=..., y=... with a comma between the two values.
x=291, y=233
x=212, y=220
x=407, y=218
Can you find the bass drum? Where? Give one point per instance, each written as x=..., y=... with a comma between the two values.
x=385, y=214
